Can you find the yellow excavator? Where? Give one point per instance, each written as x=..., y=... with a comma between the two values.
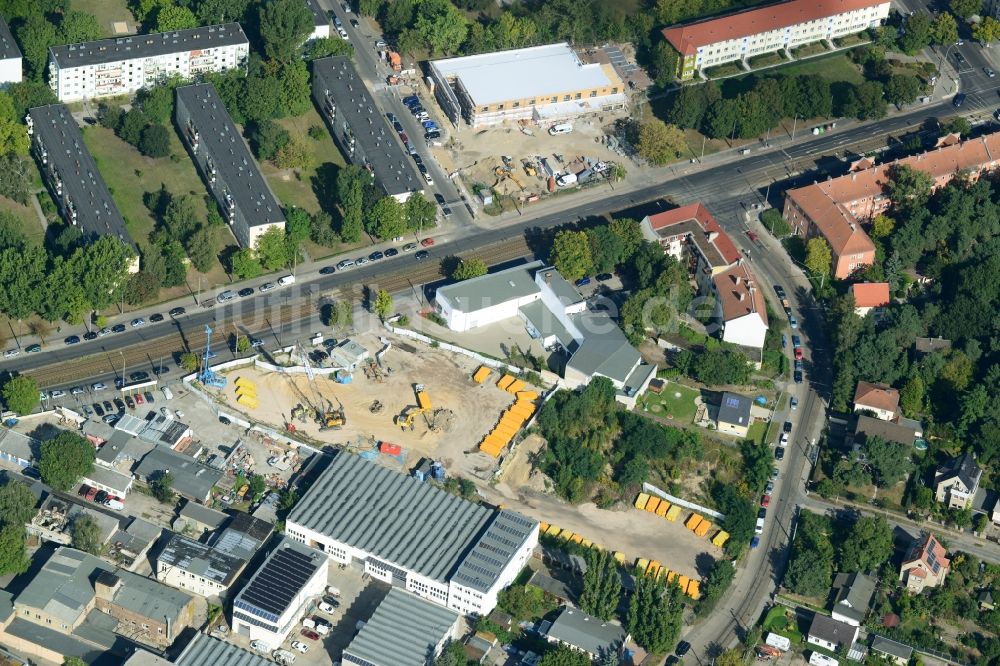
x=332, y=419
x=405, y=419
x=504, y=172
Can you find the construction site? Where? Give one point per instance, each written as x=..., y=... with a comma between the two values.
x=402, y=403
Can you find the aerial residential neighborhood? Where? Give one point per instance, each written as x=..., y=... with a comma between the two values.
x=500, y=332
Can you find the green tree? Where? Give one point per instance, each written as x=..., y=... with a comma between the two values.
x=77, y=27
x=16, y=180
x=189, y=361
x=814, y=98
x=13, y=556
x=660, y=143
x=157, y=103
x=602, y=585
x=908, y=187
x=716, y=584
x=296, y=154
x=466, y=269
x=86, y=535
x=730, y=658
x=654, y=614
x=35, y=35
x=944, y=29
x=284, y=26
x=212, y=12
x=911, y=396
x=867, y=546
x=271, y=249
x=386, y=219
x=154, y=141
x=162, y=487
x=244, y=264
x=173, y=17
x=257, y=485
x=420, y=213
x=987, y=30
x=202, y=248
x=295, y=94
x=717, y=367
x=328, y=46
x=665, y=62
x=439, y=27
x=775, y=222
x=865, y=101
x=352, y=181
x=383, y=304
x=20, y=394
x=882, y=226
x=131, y=125
x=963, y=9
x=903, y=89
x=13, y=138
x=691, y=103
x=267, y=138
x=64, y=459
x=563, y=656
x=810, y=571
x=756, y=465
x=819, y=258
x=73, y=661
x=297, y=224
x=571, y=254
x=629, y=233
x=889, y=461
x=17, y=503
x=917, y=33
x=141, y=287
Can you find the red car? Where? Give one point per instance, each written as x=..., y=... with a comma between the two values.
x=310, y=634
x=91, y=494
x=138, y=399
x=798, y=353
x=765, y=500
x=427, y=242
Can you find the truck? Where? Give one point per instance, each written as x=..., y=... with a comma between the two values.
x=566, y=180
x=561, y=128
x=283, y=657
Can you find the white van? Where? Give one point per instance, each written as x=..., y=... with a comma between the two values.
x=167, y=394
x=760, y=526
x=115, y=504
x=561, y=128
x=287, y=280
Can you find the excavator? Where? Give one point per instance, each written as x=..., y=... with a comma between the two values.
x=504, y=172
x=332, y=419
x=406, y=418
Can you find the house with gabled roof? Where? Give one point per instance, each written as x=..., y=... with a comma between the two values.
x=926, y=565
x=880, y=399
x=854, y=596
x=869, y=297
x=692, y=232
x=956, y=482
x=740, y=307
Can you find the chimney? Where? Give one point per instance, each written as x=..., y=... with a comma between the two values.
x=106, y=585
x=741, y=295
x=548, y=277
x=854, y=227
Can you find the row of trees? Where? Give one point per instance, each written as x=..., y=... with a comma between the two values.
x=822, y=546
x=365, y=210
x=146, y=124
x=40, y=25
x=589, y=438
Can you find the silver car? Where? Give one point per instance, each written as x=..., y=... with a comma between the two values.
x=225, y=296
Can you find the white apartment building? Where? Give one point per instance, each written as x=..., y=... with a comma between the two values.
x=412, y=535
x=124, y=65
x=10, y=56
x=753, y=32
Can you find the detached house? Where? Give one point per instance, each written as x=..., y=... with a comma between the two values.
x=829, y=633
x=926, y=565
x=879, y=399
x=956, y=483
x=740, y=307
x=854, y=594
x=870, y=296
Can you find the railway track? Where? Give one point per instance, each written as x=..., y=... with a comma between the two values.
x=177, y=338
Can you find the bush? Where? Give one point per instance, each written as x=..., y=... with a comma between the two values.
x=154, y=141
x=775, y=223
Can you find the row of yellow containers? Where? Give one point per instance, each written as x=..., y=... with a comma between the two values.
x=554, y=531
x=695, y=523
x=511, y=420
x=513, y=385
x=661, y=507
x=248, y=401
x=689, y=586
x=243, y=381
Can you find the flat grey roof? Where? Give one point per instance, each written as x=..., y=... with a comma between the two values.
x=67, y=157
x=335, y=79
x=493, y=288
x=62, y=587
x=586, y=632
x=191, y=479
x=546, y=323
x=735, y=409
x=204, y=650
x=203, y=514
x=403, y=631
x=163, y=430
x=15, y=444
x=8, y=47
x=560, y=286
x=110, y=478
x=63, y=643
x=359, y=502
x=493, y=550
x=122, y=445
x=200, y=559
x=145, y=46
x=150, y=598
x=891, y=647
x=605, y=350
x=529, y=73
x=223, y=143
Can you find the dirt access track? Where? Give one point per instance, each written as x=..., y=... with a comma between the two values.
x=471, y=409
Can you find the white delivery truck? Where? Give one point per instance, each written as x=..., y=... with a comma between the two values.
x=817, y=659
x=561, y=128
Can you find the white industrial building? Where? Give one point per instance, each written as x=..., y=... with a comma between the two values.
x=321, y=24
x=275, y=599
x=124, y=65
x=413, y=535
x=539, y=83
x=557, y=315
x=10, y=56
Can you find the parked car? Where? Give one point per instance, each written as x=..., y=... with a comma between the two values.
x=57, y=393
x=420, y=256
x=90, y=335
x=33, y=349
x=794, y=403
x=139, y=400
x=137, y=322
x=786, y=427
x=120, y=404
x=409, y=247
x=958, y=100
x=798, y=376
x=98, y=409
x=754, y=542
x=101, y=496
x=391, y=252
x=246, y=291
x=76, y=390
x=345, y=264
x=300, y=646
x=118, y=328
x=326, y=608
x=72, y=340
x=792, y=321
x=139, y=376
x=84, y=489
x=427, y=242
x=784, y=340
x=130, y=402
x=682, y=648
x=177, y=312
x=375, y=256
x=779, y=453
x=310, y=634
x=327, y=270
x=108, y=407
x=267, y=286
x=765, y=500
x=156, y=318
x=98, y=386
x=796, y=341
x=798, y=353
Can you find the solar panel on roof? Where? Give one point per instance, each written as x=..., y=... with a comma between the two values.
x=732, y=402
x=284, y=574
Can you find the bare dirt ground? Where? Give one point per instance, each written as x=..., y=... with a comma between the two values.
x=476, y=153
x=474, y=409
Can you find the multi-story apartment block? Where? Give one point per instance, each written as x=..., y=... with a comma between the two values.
x=122, y=66
x=10, y=56
x=753, y=32
x=836, y=208
x=361, y=132
x=224, y=160
x=72, y=177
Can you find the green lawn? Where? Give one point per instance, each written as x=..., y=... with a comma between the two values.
x=129, y=175
x=778, y=621
x=106, y=12
x=757, y=432
x=30, y=225
x=296, y=187
x=765, y=60
x=835, y=67
x=669, y=405
x=809, y=49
